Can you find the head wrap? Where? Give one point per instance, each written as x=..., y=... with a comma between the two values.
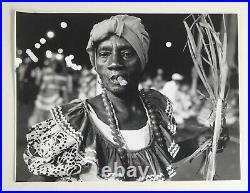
x=128, y=27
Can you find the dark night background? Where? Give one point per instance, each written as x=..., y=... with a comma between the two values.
x=73, y=40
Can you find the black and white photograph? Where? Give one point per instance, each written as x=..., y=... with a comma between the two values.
x=127, y=97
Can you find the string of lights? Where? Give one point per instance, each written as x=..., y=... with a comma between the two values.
x=50, y=34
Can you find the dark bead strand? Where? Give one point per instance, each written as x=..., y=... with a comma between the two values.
x=157, y=132
x=114, y=127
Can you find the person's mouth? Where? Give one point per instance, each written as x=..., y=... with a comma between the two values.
x=119, y=79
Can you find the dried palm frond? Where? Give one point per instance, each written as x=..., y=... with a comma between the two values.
x=208, y=51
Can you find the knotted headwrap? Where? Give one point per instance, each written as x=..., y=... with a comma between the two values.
x=128, y=27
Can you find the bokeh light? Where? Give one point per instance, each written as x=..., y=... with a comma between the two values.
x=19, y=52
x=64, y=24
x=48, y=54
x=50, y=34
x=28, y=51
x=31, y=55
x=18, y=62
x=60, y=50
x=71, y=57
x=168, y=44
x=42, y=41
x=59, y=56
x=37, y=45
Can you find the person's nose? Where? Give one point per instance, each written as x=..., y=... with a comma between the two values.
x=115, y=63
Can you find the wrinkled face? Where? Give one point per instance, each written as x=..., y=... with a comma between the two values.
x=115, y=57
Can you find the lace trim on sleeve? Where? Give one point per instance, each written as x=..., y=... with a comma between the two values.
x=53, y=149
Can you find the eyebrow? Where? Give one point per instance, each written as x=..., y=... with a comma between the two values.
x=107, y=47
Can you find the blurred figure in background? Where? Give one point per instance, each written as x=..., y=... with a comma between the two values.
x=186, y=103
x=146, y=82
x=170, y=88
x=87, y=84
x=55, y=85
x=184, y=106
x=22, y=71
x=158, y=81
x=194, y=75
x=26, y=76
x=232, y=112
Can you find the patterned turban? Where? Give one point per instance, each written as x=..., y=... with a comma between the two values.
x=128, y=27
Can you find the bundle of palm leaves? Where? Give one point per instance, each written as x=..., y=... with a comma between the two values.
x=208, y=53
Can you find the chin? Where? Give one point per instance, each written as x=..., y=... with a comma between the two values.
x=118, y=90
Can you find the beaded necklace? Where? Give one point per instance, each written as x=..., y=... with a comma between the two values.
x=114, y=125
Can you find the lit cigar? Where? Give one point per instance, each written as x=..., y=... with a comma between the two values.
x=122, y=81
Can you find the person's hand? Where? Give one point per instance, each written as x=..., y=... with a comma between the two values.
x=204, y=136
x=222, y=142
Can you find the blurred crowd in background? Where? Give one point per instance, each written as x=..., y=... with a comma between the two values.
x=54, y=83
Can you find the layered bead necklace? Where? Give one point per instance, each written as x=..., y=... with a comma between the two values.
x=114, y=124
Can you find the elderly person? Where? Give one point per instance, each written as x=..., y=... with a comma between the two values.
x=121, y=134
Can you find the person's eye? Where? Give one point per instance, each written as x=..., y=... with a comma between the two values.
x=127, y=54
x=104, y=54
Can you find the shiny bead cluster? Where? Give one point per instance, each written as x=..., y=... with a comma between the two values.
x=157, y=131
x=113, y=124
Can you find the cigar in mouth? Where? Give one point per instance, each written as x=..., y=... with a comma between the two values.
x=122, y=81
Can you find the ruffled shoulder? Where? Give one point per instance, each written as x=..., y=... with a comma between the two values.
x=71, y=117
x=54, y=145
x=161, y=103
x=163, y=108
